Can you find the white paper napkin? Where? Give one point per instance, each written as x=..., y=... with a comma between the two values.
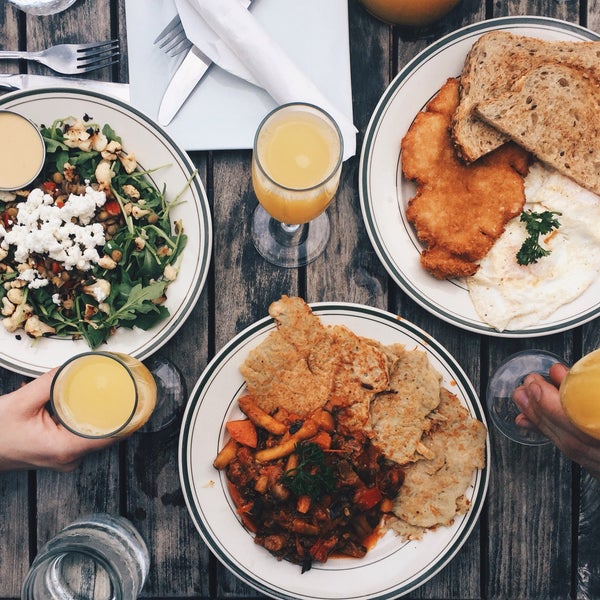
x=239, y=44
x=204, y=38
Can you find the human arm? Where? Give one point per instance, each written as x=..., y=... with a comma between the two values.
x=541, y=409
x=30, y=438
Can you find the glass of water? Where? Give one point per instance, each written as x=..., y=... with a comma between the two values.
x=42, y=7
x=99, y=556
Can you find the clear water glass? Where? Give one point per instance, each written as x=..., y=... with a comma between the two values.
x=98, y=557
x=42, y=7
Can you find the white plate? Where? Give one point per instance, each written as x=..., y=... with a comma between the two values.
x=224, y=111
x=153, y=148
x=384, y=194
x=389, y=570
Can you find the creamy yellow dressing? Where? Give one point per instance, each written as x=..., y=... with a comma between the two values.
x=22, y=151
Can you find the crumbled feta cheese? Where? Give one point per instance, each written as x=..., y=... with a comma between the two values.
x=33, y=278
x=64, y=233
x=56, y=299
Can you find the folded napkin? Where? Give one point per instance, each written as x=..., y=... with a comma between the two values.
x=233, y=39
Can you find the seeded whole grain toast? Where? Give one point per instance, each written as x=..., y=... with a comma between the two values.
x=554, y=112
x=496, y=61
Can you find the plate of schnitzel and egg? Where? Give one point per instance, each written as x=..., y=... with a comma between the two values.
x=450, y=236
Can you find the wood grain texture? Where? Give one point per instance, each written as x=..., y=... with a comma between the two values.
x=538, y=535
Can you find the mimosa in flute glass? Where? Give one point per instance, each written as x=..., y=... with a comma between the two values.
x=296, y=166
x=580, y=394
x=103, y=394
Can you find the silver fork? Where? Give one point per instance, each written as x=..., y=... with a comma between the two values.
x=172, y=39
x=71, y=59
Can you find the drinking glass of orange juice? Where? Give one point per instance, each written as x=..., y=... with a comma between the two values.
x=296, y=166
x=103, y=394
x=411, y=13
x=580, y=394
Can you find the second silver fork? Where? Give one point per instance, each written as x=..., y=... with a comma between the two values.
x=71, y=59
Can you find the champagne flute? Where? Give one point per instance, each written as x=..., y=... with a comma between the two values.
x=110, y=394
x=580, y=394
x=296, y=167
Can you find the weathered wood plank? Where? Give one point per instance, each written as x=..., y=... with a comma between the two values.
x=154, y=499
x=245, y=284
x=587, y=569
x=14, y=515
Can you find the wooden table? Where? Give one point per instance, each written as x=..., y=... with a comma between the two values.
x=538, y=533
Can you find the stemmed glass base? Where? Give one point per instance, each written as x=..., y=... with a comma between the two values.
x=505, y=379
x=171, y=394
x=289, y=245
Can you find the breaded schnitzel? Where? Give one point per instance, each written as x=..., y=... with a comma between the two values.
x=459, y=210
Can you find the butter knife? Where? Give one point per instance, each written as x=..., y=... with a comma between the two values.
x=25, y=81
x=186, y=78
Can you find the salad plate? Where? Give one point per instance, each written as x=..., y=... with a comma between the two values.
x=173, y=171
x=392, y=568
x=384, y=193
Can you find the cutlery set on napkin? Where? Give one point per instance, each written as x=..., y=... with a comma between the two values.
x=289, y=51
x=279, y=51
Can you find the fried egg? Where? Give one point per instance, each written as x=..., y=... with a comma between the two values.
x=507, y=295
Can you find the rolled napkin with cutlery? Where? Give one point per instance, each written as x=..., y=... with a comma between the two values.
x=239, y=44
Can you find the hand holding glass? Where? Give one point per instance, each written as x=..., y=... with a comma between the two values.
x=102, y=394
x=296, y=166
x=579, y=393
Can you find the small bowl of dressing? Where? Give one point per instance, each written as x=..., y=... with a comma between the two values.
x=22, y=151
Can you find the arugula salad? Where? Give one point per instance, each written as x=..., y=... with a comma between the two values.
x=89, y=247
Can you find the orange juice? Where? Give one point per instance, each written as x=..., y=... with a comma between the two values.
x=409, y=12
x=296, y=163
x=580, y=394
x=100, y=394
x=22, y=151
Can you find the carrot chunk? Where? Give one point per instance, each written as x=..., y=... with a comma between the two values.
x=243, y=432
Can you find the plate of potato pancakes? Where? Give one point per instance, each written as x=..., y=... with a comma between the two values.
x=334, y=451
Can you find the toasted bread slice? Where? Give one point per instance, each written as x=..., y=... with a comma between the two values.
x=495, y=62
x=554, y=112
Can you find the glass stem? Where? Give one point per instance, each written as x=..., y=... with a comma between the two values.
x=288, y=235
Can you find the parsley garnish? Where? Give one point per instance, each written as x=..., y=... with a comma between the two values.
x=313, y=476
x=536, y=224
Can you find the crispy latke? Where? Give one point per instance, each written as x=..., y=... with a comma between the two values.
x=399, y=415
x=303, y=364
x=434, y=487
x=459, y=210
